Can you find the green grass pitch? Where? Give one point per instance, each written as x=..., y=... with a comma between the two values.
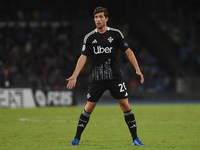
x=160, y=127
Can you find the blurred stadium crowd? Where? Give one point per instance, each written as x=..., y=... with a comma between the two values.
x=38, y=49
x=183, y=27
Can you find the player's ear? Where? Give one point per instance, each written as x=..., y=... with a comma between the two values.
x=106, y=19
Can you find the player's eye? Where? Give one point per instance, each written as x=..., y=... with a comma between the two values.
x=101, y=17
x=96, y=17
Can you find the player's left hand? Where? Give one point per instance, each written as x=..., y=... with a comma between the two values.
x=141, y=76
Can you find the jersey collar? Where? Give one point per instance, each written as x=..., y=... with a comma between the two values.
x=108, y=28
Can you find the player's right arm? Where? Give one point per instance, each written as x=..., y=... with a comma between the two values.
x=79, y=66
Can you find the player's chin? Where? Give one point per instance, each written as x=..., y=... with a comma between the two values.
x=99, y=26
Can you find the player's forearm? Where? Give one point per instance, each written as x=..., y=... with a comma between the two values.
x=79, y=66
x=132, y=59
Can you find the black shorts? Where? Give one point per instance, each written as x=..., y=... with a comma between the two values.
x=117, y=89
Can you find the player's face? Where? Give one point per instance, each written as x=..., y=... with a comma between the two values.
x=100, y=20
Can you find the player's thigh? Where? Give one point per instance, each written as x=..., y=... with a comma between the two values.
x=95, y=91
x=118, y=89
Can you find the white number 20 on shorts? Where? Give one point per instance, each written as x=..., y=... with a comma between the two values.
x=122, y=87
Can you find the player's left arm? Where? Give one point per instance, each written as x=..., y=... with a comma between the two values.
x=129, y=53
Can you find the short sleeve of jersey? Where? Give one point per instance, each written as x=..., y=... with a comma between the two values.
x=121, y=42
x=85, y=49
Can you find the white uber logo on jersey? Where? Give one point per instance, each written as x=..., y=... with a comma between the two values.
x=100, y=50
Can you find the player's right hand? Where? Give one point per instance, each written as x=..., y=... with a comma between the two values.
x=71, y=82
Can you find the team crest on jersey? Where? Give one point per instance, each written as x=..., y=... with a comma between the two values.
x=110, y=39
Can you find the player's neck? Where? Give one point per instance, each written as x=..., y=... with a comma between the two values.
x=102, y=30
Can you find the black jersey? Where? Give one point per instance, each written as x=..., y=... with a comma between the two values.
x=103, y=49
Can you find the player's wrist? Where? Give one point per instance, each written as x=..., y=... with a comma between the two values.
x=138, y=69
x=74, y=76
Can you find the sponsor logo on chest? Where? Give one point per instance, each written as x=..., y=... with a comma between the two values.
x=100, y=50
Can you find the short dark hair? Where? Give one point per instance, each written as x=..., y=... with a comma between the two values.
x=101, y=9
